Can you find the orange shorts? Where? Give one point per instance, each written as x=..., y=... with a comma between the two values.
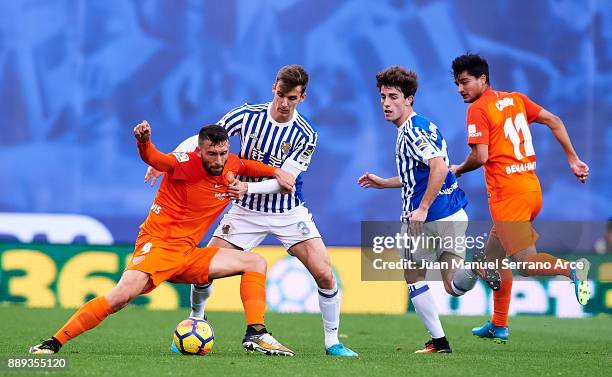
x=512, y=219
x=171, y=262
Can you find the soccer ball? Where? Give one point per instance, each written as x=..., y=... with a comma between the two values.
x=194, y=336
x=291, y=289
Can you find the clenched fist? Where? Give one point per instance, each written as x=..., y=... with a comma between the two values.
x=142, y=131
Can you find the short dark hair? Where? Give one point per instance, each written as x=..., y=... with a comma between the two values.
x=474, y=64
x=213, y=133
x=399, y=77
x=292, y=76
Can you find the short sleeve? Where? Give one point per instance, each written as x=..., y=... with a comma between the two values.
x=301, y=156
x=232, y=121
x=422, y=143
x=181, y=168
x=477, y=126
x=532, y=109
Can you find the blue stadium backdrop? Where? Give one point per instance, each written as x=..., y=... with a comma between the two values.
x=76, y=76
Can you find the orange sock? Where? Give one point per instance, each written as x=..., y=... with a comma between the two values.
x=253, y=296
x=86, y=318
x=501, y=298
x=563, y=270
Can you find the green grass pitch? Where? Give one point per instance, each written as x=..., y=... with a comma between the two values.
x=136, y=342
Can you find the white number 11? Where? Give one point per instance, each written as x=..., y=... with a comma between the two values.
x=511, y=131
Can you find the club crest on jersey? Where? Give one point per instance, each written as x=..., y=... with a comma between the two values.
x=225, y=229
x=253, y=136
x=285, y=147
x=181, y=157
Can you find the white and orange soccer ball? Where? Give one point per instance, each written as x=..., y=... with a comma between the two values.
x=194, y=336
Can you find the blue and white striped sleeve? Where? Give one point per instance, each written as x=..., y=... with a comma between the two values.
x=232, y=121
x=422, y=144
x=301, y=156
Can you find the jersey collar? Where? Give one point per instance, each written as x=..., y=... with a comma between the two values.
x=489, y=92
x=290, y=122
x=407, y=122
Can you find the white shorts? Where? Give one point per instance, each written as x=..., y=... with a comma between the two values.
x=435, y=239
x=246, y=228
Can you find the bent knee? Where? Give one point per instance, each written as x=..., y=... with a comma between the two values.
x=324, y=278
x=521, y=259
x=255, y=262
x=448, y=287
x=412, y=279
x=119, y=299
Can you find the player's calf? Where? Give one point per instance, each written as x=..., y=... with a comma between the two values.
x=131, y=284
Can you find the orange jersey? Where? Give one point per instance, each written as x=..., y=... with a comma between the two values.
x=501, y=120
x=189, y=199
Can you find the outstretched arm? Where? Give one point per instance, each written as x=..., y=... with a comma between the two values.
x=477, y=157
x=149, y=154
x=372, y=180
x=579, y=168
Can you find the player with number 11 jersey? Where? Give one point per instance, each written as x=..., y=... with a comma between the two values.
x=500, y=139
x=501, y=120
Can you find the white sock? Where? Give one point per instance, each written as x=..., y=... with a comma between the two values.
x=199, y=296
x=329, y=303
x=426, y=308
x=464, y=280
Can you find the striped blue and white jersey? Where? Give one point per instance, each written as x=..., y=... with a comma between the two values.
x=419, y=140
x=263, y=139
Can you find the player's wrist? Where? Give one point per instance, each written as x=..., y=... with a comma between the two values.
x=459, y=169
x=424, y=207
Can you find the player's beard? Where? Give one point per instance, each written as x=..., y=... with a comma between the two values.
x=213, y=170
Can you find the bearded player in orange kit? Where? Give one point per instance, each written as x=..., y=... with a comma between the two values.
x=192, y=195
x=500, y=139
